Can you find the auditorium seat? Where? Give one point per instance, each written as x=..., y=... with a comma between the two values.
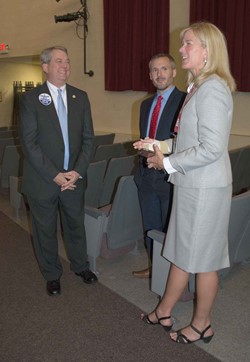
x=16, y=197
x=114, y=229
x=239, y=229
x=128, y=148
x=6, y=142
x=160, y=267
x=240, y=160
x=106, y=152
x=12, y=164
x=242, y=169
x=234, y=156
x=117, y=167
x=95, y=176
x=103, y=139
x=7, y=134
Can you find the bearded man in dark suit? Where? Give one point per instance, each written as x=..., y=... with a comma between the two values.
x=56, y=160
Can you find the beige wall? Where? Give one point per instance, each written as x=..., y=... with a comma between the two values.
x=11, y=72
x=30, y=27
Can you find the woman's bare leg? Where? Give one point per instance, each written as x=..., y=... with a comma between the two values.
x=206, y=291
x=176, y=284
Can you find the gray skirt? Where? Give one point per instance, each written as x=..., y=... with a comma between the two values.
x=197, y=236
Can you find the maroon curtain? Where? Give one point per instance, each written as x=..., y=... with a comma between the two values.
x=233, y=18
x=134, y=30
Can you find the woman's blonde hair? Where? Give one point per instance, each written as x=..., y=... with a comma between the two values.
x=217, y=62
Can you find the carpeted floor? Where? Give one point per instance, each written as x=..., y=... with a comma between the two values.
x=87, y=323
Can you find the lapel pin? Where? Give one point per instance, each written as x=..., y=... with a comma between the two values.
x=73, y=96
x=45, y=99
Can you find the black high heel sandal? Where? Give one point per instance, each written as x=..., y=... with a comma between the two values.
x=148, y=321
x=181, y=338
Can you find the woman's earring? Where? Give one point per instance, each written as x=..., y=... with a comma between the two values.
x=205, y=61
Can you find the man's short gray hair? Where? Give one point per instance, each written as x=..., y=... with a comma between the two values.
x=46, y=54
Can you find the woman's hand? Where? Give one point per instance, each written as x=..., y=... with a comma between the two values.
x=143, y=143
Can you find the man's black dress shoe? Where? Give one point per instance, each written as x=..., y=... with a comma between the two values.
x=87, y=276
x=53, y=287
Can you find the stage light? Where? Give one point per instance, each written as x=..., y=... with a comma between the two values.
x=68, y=17
x=74, y=17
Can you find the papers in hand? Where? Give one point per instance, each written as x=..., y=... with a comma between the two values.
x=147, y=150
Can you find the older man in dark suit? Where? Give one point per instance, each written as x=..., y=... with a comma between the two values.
x=155, y=193
x=56, y=160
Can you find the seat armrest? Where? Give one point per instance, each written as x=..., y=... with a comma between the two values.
x=157, y=235
x=92, y=211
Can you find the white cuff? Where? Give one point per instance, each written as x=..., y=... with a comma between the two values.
x=167, y=165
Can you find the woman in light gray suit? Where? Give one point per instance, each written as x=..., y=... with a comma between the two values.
x=199, y=168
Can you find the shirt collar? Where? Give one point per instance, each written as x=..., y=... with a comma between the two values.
x=53, y=88
x=166, y=93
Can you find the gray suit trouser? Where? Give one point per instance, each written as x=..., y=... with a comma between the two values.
x=70, y=206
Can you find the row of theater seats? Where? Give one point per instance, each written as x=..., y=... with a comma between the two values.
x=10, y=155
x=113, y=150
x=112, y=212
x=113, y=220
x=110, y=187
x=102, y=175
x=11, y=158
x=240, y=163
x=103, y=178
x=111, y=230
x=114, y=229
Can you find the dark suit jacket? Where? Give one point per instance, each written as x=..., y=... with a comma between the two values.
x=42, y=139
x=165, y=126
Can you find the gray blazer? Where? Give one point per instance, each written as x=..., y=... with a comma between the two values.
x=201, y=155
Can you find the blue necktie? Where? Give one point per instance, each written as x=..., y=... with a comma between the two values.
x=63, y=118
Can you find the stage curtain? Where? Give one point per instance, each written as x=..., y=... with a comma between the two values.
x=233, y=18
x=134, y=30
